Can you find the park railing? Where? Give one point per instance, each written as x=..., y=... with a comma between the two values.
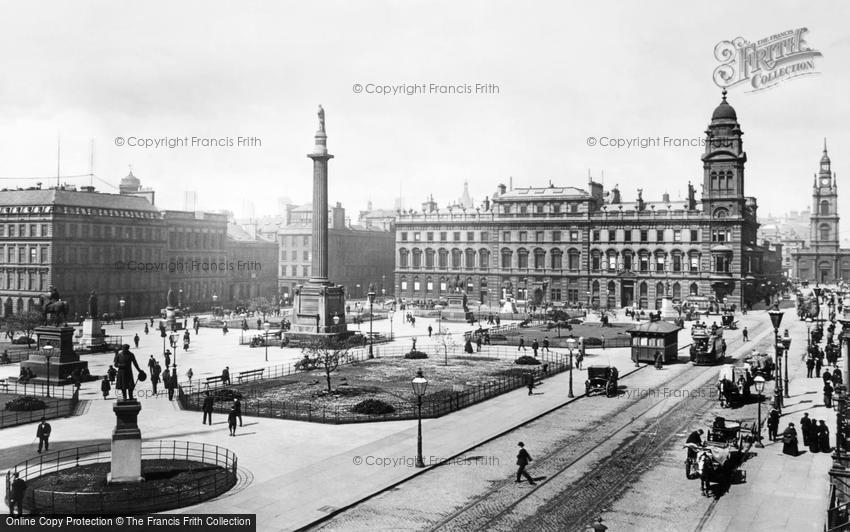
x=41, y=389
x=434, y=405
x=205, y=483
x=53, y=408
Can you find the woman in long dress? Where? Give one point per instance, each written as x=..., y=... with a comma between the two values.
x=814, y=444
x=789, y=440
x=823, y=437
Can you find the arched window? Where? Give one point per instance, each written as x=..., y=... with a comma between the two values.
x=693, y=261
x=612, y=294
x=507, y=258
x=824, y=207
x=643, y=294
x=643, y=261
x=677, y=292
x=676, y=256
x=443, y=259
x=595, y=262
x=573, y=259
x=539, y=259
x=470, y=287
x=416, y=285
x=713, y=185
x=429, y=258
x=417, y=258
x=594, y=293
x=721, y=212
x=403, y=256
x=557, y=259
x=659, y=293
x=470, y=259
x=694, y=290
x=824, y=231
x=429, y=284
x=612, y=259
x=522, y=258
x=484, y=259
x=628, y=259
x=456, y=257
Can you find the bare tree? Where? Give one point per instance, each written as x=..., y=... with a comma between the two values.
x=445, y=341
x=260, y=305
x=24, y=322
x=325, y=354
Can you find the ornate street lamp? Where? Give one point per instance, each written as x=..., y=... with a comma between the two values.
x=371, y=296
x=266, y=327
x=420, y=384
x=390, y=315
x=48, y=352
x=786, y=345
x=121, y=303
x=758, y=382
x=776, y=316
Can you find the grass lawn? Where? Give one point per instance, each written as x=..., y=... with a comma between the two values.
x=386, y=379
x=588, y=330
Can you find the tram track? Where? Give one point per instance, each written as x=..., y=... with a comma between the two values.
x=609, y=468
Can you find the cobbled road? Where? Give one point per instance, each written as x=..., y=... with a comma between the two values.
x=587, y=455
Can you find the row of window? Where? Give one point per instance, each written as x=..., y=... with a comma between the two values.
x=443, y=236
x=23, y=230
x=23, y=254
x=305, y=255
x=293, y=271
x=573, y=235
x=94, y=255
x=33, y=281
x=539, y=208
x=294, y=240
x=178, y=239
x=643, y=235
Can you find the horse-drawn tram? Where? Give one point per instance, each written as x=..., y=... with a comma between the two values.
x=733, y=385
x=707, y=345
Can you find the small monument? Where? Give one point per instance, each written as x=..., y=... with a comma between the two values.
x=126, y=437
x=60, y=361
x=319, y=304
x=171, y=322
x=93, y=334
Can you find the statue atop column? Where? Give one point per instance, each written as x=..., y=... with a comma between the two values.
x=321, y=119
x=169, y=299
x=93, y=305
x=124, y=362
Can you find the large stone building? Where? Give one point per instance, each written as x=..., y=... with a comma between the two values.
x=566, y=245
x=254, y=260
x=823, y=260
x=120, y=245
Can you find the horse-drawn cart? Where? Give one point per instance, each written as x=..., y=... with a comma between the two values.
x=733, y=385
x=719, y=459
x=601, y=379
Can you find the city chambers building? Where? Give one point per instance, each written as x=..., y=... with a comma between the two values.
x=564, y=245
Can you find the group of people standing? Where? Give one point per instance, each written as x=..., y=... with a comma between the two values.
x=815, y=436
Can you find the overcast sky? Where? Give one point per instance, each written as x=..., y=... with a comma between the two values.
x=564, y=71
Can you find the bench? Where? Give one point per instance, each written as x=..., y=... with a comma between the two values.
x=213, y=380
x=4, y=384
x=254, y=374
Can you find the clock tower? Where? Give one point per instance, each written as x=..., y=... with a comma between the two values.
x=824, y=221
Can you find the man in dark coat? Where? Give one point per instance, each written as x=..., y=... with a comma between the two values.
x=810, y=366
x=237, y=407
x=522, y=460
x=534, y=347
x=772, y=424
x=521, y=344
x=170, y=383
x=208, y=408
x=818, y=365
x=136, y=340
x=823, y=437
x=124, y=362
x=16, y=497
x=806, y=427
x=827, y=395
x=43, y=434
x=231, y=421
x=105, y=387
x=225, y=376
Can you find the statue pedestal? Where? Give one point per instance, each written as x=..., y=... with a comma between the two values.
x=126, y=465
x=173, y=322
x=668, y=312
x=63, y=360
x=314, y=307
x=93, y=333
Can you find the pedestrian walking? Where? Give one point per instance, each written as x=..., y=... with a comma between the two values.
x=225, y=376
x=16, y=497
x=167, y=358
x=818, y=366
x=146, y=329
x=208, y=408
x=151, y=321
x=746, y=334
x=189, y=375
x=806, y=427
x=224, y=330
x=185, y=345
x=810, y=366
x=151, y=364
x=105, y=387
x=237, y=407
x=498, y=320
x=546, y=343
x=111, y=373
x=43, y=434
x=827, y=377
x=429, y=331
x=136, y=340
x=155, y=381
x=478, y=342
x=772, y=424
x=659, y=360
x=837, y=378
x=231, y=421
x=823, y=437
x=579, y=359
x=789, y=441
x=827, y=395
x=521, y=344
x=534, y=347
x=522, y=460
x=170, y=383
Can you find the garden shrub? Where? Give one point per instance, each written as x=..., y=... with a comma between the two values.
x=416, y=355
x=373, y=407
x=527, y=360
x=576, y=321
x=592, y=340
x=25, y=404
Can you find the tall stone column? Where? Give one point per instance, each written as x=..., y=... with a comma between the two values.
x=320, y=158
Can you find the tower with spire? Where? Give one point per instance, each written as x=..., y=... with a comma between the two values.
x=823, y=224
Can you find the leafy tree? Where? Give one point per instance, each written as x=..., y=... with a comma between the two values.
x=260, y=305
x=325, y=354
x=24, y=322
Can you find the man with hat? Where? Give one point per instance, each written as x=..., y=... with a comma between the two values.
x=522, y=460
x=43, y=434
x=124, y=362
x=16, y=497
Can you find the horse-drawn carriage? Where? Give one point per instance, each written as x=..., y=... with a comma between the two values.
x=728, y=320
x=601, y=379
x=733, y=385
x=761, y=364
x=707, y=346
x=719, y=459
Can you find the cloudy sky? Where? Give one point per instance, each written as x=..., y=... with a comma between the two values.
x=564, y=71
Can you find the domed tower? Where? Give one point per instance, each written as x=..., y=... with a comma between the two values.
x=723, y=164
x=130, y=184
x=824, y=220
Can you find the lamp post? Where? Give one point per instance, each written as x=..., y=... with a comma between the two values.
x=371, y=296
x=571, y=344
x=758, y=382
x=776, y=319
x=164, y=335
x=48, y=352
x=336, y=319
x=215, y=300
x=786, y=344
x=266, y=328
x=121, y=303
x=180, y=299
x=420, y=384
x=390, y=315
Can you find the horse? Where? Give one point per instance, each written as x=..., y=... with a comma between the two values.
x=56, y=311
x=706, y=469
x=724, y=392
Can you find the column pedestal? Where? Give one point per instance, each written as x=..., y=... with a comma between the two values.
x=126, y=465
